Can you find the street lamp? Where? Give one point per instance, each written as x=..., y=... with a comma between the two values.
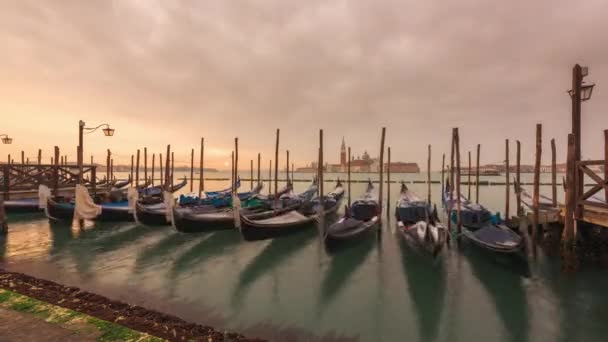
x=107, y=131
x=6, y=139
x=586, y=91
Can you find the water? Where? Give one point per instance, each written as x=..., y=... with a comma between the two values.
x=288, y=288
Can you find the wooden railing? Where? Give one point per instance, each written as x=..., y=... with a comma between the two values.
x=598, y=185
x=23, y=177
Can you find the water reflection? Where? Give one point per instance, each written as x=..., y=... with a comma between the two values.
x=426, y=283
x=276, y=252
x=502, y=276
x=345, y=259
x=172, y=242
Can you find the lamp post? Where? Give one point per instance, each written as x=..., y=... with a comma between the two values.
x=6, y=139
x=107, y=131
x=580, y=92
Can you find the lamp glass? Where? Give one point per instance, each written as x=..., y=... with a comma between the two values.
x=7, y=140
x=108, y=132
x=586, y=92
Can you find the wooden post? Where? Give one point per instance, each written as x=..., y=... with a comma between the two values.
x=192, y=170
x=153, y=166
x=276, y=166
x=477, y=175
x=236, y=163
x=22, y=158
x=201, y=184
x=381, y=171
x=321, y=162
x=348, y=170
x=94, y=179
x=577, y=80
x=458, y=201
x=160, y=170
x=172, y=179
x=56, y=172
x=167, y=168
x=452, y=185
x=507, y=181
x=7, y=182
x=39, y=156
x=388, y=181
x=535, y=195
x=553, y=173
x=112, y=168
x=569, y=221
x=469, y=178
x=259, y=161
x=518, y=179
x=606, y=162
x=428, y=176
x=292, y=172
x=442, y=176
x=287, y=167
x=270, y=177
x=108, y=165
x=251, y=174
x=137, y=169
x=232, y=174
x=132, y=172
x=145, y=164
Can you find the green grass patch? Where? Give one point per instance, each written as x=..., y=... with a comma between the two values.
x=70, y=319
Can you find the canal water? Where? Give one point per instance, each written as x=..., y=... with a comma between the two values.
x=292, y=288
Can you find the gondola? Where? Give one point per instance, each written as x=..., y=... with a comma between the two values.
x=208, y=218
x=227, y=191
x=26, y=205
x=284, y=222
x=418, y=223
x=359, y=220
x=546, y=209
x=481, y=227
x=154, y=213
x=157, y=190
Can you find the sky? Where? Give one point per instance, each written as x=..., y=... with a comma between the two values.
x=171, y=72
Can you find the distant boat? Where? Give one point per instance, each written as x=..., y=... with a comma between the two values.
x=481, y=173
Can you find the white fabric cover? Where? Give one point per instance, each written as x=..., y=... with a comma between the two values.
x=236, y=209
x=421, y=227
x=85, y=207
x=132, y=196
x=44, y=193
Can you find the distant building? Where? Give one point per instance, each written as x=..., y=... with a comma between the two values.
x=400, y=167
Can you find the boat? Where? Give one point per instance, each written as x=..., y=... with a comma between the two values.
x=227, y=191
x=26, y=205
x=547, y=211
x=152, y=211
x=208, y=218
x=283, y=222
x=481, y=227
x=359, y=219
x=116, y=211
x=418, y=223
x=157, y=190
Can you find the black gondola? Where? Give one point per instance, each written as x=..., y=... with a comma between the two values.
x=418, y=223
x=358, y=221
x=284, y=222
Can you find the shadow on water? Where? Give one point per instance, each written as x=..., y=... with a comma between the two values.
x=502, y=276
x=164, y=247
x=426, y=280
x=276, y=252
x=345, y=259
x=61, y=235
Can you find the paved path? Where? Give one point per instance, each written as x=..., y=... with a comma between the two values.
x=20, y=327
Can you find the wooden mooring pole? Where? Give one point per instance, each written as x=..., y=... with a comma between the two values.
x=451, y=185
x=287, y=166
x=553, y=174
x=469, y=178
x=160, y=169
x=388, y=181
x=145, y=164
x=137, y=169
x=276, y=166
x=477, y=175
x=192, y=170
x=167, y=166
x=56, y=172
x=108, y=165
x=518, y=178
x=428, y=177
x=259, y=161
x=201, y=179
x=458, y=193
x=172, y=176
x=442, y=176
x=606, y=163
x=536, y=194
x=236, y=165
x=270, y=177
x=380, y=197
x=507, y=181
x=251, y=174
x=569, y=233
x=132, y=172
x=39, y=156
x=348, y=175
x=321, y=180
x=153, y=166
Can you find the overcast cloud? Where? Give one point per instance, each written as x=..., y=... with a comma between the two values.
x=172, y=71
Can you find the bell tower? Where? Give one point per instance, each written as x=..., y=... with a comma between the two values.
x=343, y=153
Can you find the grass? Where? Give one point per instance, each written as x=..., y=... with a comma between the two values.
x=72, y=320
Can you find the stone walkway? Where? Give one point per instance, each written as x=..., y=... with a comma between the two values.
x=21, y=327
